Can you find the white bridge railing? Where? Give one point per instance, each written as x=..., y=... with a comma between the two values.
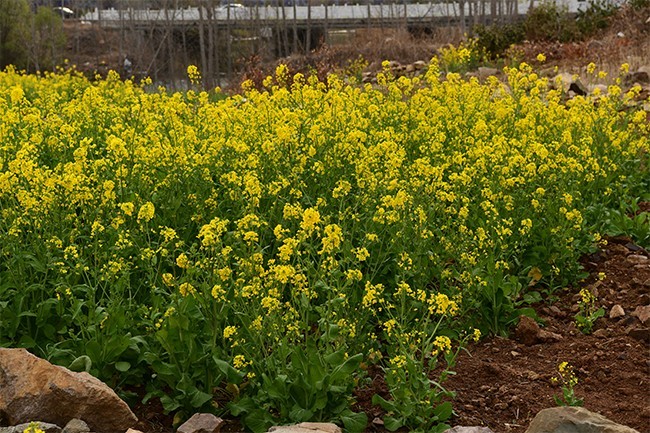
x=341, y=13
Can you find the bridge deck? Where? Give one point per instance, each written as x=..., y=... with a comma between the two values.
x=333, y=16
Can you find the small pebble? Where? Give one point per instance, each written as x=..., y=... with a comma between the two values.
x=616, y=311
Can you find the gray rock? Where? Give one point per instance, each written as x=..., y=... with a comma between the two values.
x=485, y=72
x=569, y=82
x=602, y=88
x=75, y=425
x=637, y=77
x=642, y=313
x=33, y=389
x=574, y=420
x=637, y=258
x=472, y=429
x=307, y=427
x=201, y=423
x=528, y=332
x=616, y=311
x=45, y=426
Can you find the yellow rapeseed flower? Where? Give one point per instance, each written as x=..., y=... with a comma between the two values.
x=146, y=212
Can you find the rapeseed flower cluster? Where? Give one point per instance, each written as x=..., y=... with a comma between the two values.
x=358, y=216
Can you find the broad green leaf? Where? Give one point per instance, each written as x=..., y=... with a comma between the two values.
x=443, y=411
x=299, y=414
x=354, y=422
x=232, y=375
x=242, y=406
x=383, y=403
x=199, y=398
x=347, y=368
x=169, y=404
x=81, y=363
x=392, y=423
x=258, y=421
x=336, y=358
x=122, y=366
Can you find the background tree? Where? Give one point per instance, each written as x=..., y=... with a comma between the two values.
x=32, y=40
x=47, y=39
x=14, y=31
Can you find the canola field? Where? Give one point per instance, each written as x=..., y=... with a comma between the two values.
x=256, y=255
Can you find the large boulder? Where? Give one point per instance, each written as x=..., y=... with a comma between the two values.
x=574, y=420
x=33, y=389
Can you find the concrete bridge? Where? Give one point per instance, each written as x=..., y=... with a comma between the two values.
x=347, y=16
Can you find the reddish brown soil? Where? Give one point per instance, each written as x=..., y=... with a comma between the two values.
x=503, y=383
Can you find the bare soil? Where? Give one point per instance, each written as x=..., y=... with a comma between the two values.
x=502, y=383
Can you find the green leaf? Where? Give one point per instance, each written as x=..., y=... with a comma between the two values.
x=94, y=351
x=383, y=403
x=116, y=346
x=27, y=314
x=278, y=388
x=27, y=342
x=300, y=392
x=336, y=358
x=163, y=369
x=354, y=422
x=244, y=405
x=81, y=363
x=169, y=404
x=532, y=297
x=299, y=414
x=347, y=368
x=439, y=428
x=232, y=375
x=258, y=421
x=392, y=423
x=443, y=411
x=122, y=366
x=49, y=331
x=199, y=398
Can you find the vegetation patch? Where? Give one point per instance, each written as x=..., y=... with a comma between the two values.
x=256, y=254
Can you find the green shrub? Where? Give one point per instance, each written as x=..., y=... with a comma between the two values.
x=495, y=40
x=33, y=41
x=595, y=17
x=639, y=4
x=550, y=22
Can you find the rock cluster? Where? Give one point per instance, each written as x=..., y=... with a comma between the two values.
x=398, y=70
x=34, y=391
x=572, y=85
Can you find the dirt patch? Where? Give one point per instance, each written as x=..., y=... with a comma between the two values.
x=503, y=383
